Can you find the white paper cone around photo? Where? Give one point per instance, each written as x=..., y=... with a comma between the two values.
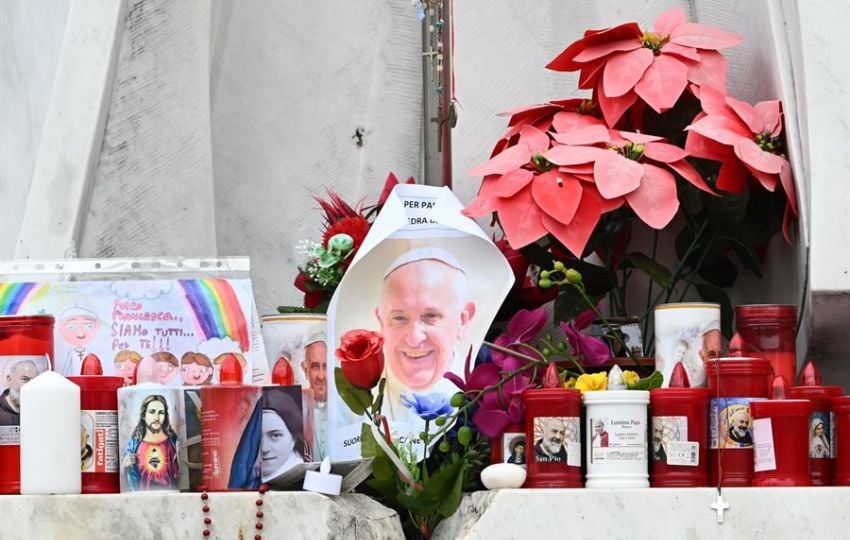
x=430, y=281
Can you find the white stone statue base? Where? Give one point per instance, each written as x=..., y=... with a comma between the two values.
x=141, y=516
x=819, y=512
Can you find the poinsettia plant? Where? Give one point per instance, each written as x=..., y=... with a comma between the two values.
x=659, y=143
x=344, y=227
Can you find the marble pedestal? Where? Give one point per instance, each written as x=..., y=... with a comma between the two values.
x=775, y=513
x=178, y=515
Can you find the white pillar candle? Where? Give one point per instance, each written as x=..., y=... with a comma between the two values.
x=50, y=435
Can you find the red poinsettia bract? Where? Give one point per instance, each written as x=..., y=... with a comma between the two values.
x=631, y=168
x=624, y=63
x=529, y=195
x=747, y=140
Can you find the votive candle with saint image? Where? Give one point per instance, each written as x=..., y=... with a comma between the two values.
x=689, y=333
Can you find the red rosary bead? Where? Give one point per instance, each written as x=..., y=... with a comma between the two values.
x=259, y=526
x=260, y=514
x=263, y=488
x=259, y=502
x=258, y=537
x=206, y=532
x=207, y=521
x=204, y=496
x=205, y=508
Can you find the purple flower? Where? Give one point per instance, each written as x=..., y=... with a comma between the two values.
x=522, y=328
x=590, y=350
x=497, y=409
x=427, y=406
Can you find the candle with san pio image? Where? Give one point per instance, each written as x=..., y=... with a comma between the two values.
x=552, y=434
x=734, y=384
x=679, y=435
x=26, y=349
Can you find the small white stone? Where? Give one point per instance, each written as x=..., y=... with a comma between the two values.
x=503, y=476
x=616, y=381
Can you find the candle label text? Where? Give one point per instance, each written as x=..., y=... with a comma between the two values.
x=765, y=454
x=99, y=441
x=616, y=439
x=730, y=423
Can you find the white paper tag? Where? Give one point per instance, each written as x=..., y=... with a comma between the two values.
x=764, y=455
x=683, y=453
x=574, y=454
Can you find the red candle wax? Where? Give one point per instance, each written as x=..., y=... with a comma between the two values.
x=841, y=414
x=282, y=372
x=780, y=432
x=768, y=331
x=510, y=447
x=679, y=433
x=553, y=435
x=91, y=365
x=822, y=462
x=733, y=383
x=99, y=432
x=22, y=339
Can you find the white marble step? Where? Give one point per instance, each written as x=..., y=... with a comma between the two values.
x=775, y=513
x=152, y=515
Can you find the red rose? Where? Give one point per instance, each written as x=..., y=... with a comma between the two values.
x=361, y=357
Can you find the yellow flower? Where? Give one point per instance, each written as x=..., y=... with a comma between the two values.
x=592, y=381
x=570, y=383
x=631, y=378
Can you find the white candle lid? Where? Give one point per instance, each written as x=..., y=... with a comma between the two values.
x=323, y=481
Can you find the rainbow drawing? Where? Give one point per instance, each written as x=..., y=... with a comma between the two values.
x=14, y=295
x=216, y=309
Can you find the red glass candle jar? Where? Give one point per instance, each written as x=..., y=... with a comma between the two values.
x=767, y=331
x=26, y=349
x=679, y=437
x=553, y=433
x=99, y=432
x=841, y=439
x=510, y=447
x=733, y=384
x=781, y=442
x=821, y=456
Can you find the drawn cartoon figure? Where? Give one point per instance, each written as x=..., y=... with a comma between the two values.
x=167, y=366
x=126, y=362
x=196, y=369
x=78, y=326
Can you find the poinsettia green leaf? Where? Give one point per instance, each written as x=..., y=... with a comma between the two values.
x=746, y=255
x=710, y=293
x=721, y=272
x=730, y=207
x=652, y=268
x=357, y=399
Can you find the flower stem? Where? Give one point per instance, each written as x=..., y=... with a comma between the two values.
x=645, y=333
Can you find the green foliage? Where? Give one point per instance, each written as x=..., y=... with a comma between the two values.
x=357, y=399
x=648, y=383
